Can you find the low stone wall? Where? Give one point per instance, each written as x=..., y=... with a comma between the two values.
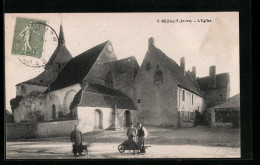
x=222, y=125
x=185, y=124
x=39, y=129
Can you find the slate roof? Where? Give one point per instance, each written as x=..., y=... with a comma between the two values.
x=233, y=102
x=124, y=64
x=184, y=81
x=45, y=78
x=61, y=55
x=95, y=95
x=77, y=68
x=222, y=81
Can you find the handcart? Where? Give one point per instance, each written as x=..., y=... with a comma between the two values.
x=132, y=146
x=84, y=148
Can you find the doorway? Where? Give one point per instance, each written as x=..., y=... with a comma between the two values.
x=127, y=118
x=98, y=120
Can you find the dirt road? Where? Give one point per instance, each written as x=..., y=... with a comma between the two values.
x=62, y=150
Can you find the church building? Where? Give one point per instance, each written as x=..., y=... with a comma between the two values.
x=94, y=87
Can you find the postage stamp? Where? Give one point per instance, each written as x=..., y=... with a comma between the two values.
x=28, y=37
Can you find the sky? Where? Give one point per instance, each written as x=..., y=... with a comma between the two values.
x=203, y=44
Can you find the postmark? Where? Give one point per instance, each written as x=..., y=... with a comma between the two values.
x=31, y=36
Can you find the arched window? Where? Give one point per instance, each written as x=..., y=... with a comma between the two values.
x=109, y=81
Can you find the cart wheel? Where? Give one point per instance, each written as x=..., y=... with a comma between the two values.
x=121, y=148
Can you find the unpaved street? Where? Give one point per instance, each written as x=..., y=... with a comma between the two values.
x=63, y=150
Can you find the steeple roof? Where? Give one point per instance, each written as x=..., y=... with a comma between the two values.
x=61, y=55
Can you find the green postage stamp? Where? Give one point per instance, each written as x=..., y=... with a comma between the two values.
x=28, y=37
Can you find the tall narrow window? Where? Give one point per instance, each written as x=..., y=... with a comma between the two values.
x=53, y=111
x=191, y=99
x=183, y=95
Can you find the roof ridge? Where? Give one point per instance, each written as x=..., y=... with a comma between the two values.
x=84, y=60
x=171, y=63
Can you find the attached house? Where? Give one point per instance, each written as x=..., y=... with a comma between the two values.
x=166, y=95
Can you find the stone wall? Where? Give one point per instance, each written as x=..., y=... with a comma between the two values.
x=156, y=99
x=86, y=117
x=39, y=129
x=216, y=96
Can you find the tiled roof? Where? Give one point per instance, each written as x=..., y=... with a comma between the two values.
x=184, y=81
x=61, y=55
x=45, y=78
x=233, y=102
x=95, y=95
x=222, y=81
x=77, y=68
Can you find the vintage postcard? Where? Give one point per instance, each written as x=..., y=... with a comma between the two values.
x=122, y=85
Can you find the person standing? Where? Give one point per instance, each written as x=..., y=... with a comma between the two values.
x=76, y=139
x=131, y=133
x=142, y=134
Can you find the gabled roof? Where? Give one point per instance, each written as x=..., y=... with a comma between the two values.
x=233, y=102
x=77, y=68
x=61, y=55
x=95, y=95
x=184, y=81
x=222, y=81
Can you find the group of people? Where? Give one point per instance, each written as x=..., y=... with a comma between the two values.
x=134, y=134
x=137, y=134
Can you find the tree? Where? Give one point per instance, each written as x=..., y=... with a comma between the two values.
x=9, y=117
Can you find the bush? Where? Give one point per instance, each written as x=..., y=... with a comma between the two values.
x=35, y=116
x=202, y=118
x=15, y=102
x=9, y=117
x=64, y=113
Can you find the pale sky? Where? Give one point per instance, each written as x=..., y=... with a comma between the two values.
x=202, y=44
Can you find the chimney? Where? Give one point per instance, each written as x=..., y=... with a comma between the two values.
x=194, y=72
x=150, y=42
x=212, y=76
x=182, y=64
